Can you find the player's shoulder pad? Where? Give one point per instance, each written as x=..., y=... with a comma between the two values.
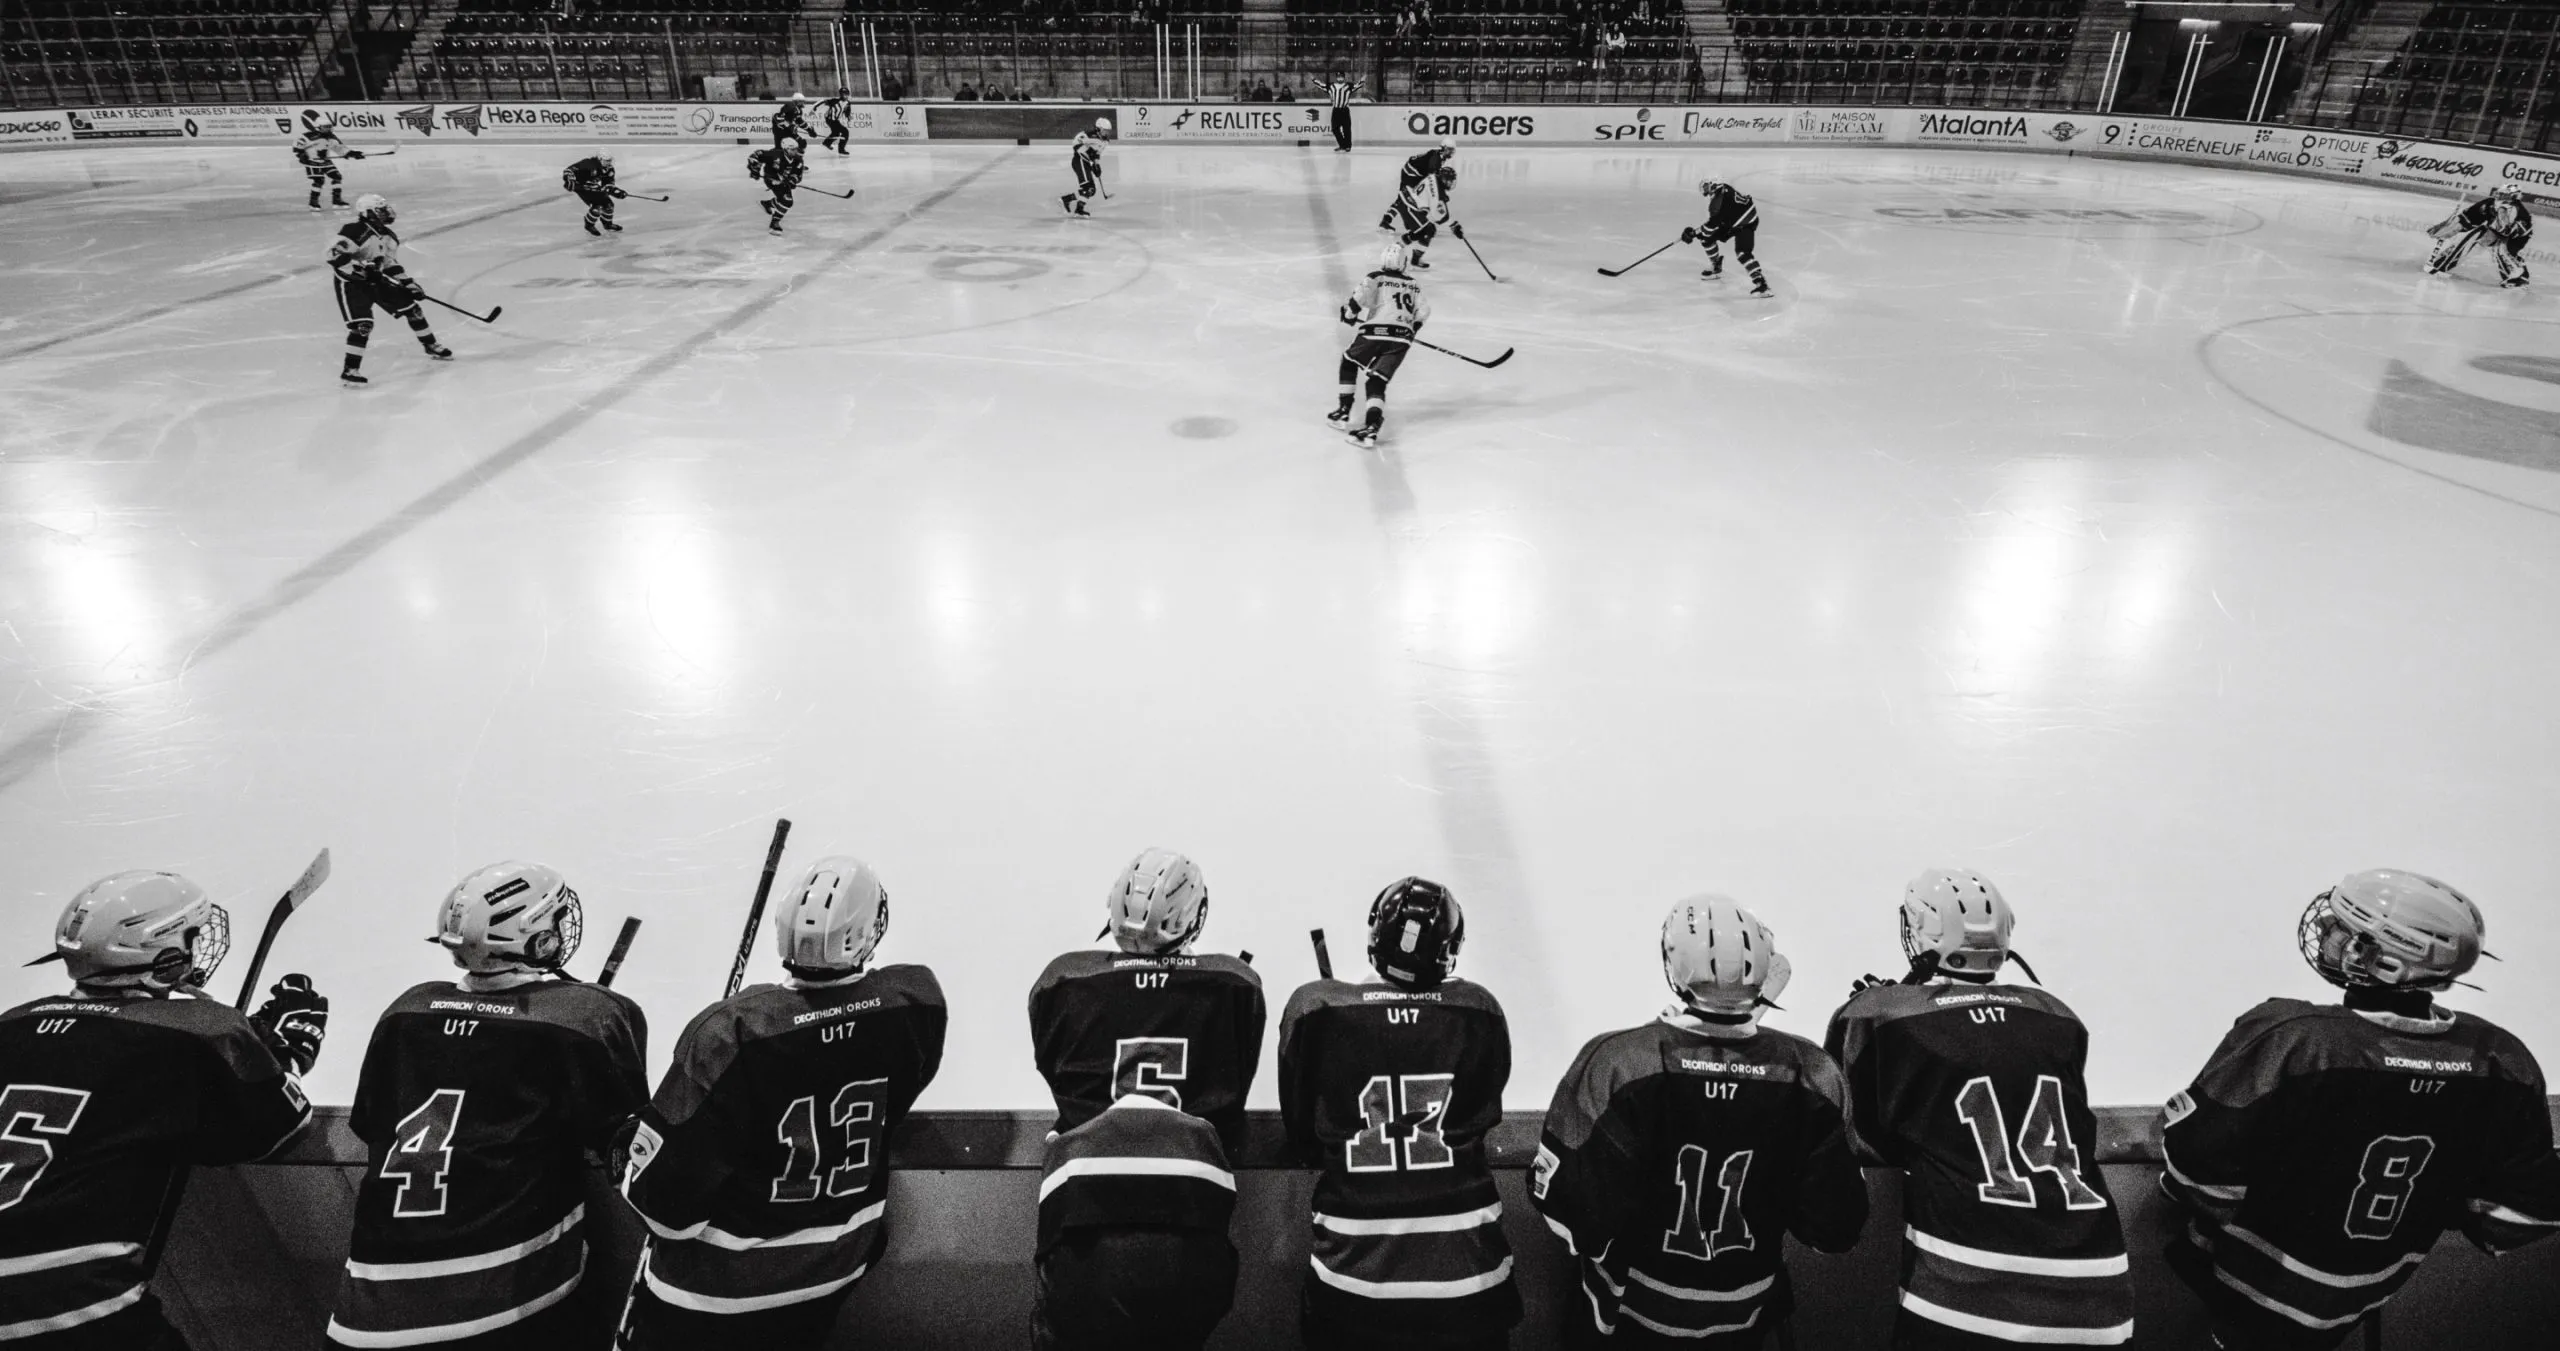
x=1613, y=1060
x=224, y=1030
x=1812, y=1065
x=2509, y=1058
x=904, y=984
x=1317, y=995
x=593, y=1011
x=1081, y=964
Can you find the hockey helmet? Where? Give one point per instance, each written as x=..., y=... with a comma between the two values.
x=375, y=209
x=1415, y=930
x=2507, y=192
x=1719, y=958
x=793, y=145
x=1953, y=919
x=1391, y=258
x=1158, y=904
x=151, y=929
x=2391, y=928
x=1103, y=125
x=1448, y=146
x=510, y=917
x=830, y=924
x=1708, y=187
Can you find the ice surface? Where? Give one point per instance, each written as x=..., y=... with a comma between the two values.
x=2154, y=539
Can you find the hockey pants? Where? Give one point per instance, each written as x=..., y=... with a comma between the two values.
x=327, y=176
x=599, y=211
x=356, y=302
x=1368, y=364
x=1132, y=1290
x=1743, y=239
x=778, y=206
x=2510, y=259
x=838, y=137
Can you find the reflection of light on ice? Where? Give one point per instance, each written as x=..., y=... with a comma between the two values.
x=2146, y=589
x=2011, y=608
x=672, y=565
x=102, y=594
x=1467, y=597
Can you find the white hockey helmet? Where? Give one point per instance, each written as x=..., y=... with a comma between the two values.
x=375, y=209
x=830, y=924
x=143, y=928
x=1158, y=904
x=2391, y=928
x=2507, y=192
x=1391, y=258
x=1953, y=919
x=510, y=917
x=1448, y=145
x=793, y=145
x=1719, y=957
x=1103, y=125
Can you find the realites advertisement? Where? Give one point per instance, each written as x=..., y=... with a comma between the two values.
x=1263, y=122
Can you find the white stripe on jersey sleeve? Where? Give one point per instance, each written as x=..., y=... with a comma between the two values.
x=456, y=1331
x=455, y=1266
x=1456, y=1289
x=63, y=1257
x=1135, y=1167
x=1666, y=1330
x=2083, y=1267
x=86, y=1314
x=686, y=1299
x=2116, y=1335
x=1415, y=1224
x=2273, y=1305
x=2312, y=1273
x=1751, y=1291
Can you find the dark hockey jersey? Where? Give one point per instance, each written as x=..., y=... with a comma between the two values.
x=2324, y=1150
x=1729, y=210
x=1421, y=173
x=762, y=1165
x=1978, y=1094
x=2513, y=226
x=1139, y=1164
x=1677, y=1157
x=1185, y=1030
x=588, y=175
x=1391, y=1091
x=776, y=170
x=103, y=1104
x=478, y=1108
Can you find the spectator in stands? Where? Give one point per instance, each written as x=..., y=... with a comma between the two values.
x=1261, y=92
x=966, y=94
x=1283, y=94
x=892, y=89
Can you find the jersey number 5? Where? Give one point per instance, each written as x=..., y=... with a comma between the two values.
x=1688, y=1235
x=1152, y=1066
x=856, y=1110
x=2385, y=1182
x=421, y=1155
x=2044, y=1143
x=29, y=1113
x=1426, y=1105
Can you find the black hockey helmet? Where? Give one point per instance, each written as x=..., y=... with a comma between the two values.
x=1415, y=930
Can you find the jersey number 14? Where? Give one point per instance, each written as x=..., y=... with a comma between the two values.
x=2044, y=1145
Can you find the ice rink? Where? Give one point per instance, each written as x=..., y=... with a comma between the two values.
x=2156, y=540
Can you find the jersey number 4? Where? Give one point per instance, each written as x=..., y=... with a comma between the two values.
x=1426, y=1105
x=2044, y=1144
x=28, y=1114
x=1688, y=1235
x=421, y=1155
x=855, y=1110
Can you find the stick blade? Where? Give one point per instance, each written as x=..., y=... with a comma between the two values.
x=308, y=883
x=494, y=312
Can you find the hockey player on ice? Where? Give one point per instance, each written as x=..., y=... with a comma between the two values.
x=1421, y=206
x=839, y=131
x=791, y=120
x=366, y=258
x=1678, y=1153
x=479, y=1101
x=1730, y=216
x=2325, y=1147
x=114, y=1089
x=1388, y=310
x=1084, y=156
x=1389, y=1086
x=780, y=170
x=318, y=145
x=1148, y=1050
x=1976, y=1090
x=761, y=1167
x=2499, y=220
x=592, y=180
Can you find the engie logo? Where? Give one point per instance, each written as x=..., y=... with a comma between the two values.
x=1471, y=124
x=1644, y=128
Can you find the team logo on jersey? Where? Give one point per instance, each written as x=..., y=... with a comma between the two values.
x=1542, y=1173
x=645, y=1144
x=421, y=119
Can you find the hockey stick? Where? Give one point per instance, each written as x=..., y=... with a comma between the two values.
x=755, y=912
x=1471, y=249
x=621, y=949
x=1641, y=261
x=841, y=196
x=1324, y=959
x=490, y=318
x=642, y=197
x=1472, y=361
x=283, y=910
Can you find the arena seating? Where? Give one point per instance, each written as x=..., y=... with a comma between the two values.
x=1919, y=51
x=91, y=51
x=2471, y=72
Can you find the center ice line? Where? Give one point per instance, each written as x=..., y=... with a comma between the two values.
x=23, y=754
x=1457, y=755
x=243, y=288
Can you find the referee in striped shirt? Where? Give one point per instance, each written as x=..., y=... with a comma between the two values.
x=1340, y=91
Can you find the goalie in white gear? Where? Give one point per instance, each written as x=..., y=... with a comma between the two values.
x=114, y=1088
x=772, y=1124
x=1387, y=312
x=478, y=1102
x=2325, y=1148
x=1700, y=1101
x=2499, y=220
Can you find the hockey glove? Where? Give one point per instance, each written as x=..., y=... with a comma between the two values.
x=410, y=289
x=293, y=1021
x=1350, y=313
x=1688, y=234
x=1865, y=983
x=355, y=154
x=617, y=192
x=1457, y=230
